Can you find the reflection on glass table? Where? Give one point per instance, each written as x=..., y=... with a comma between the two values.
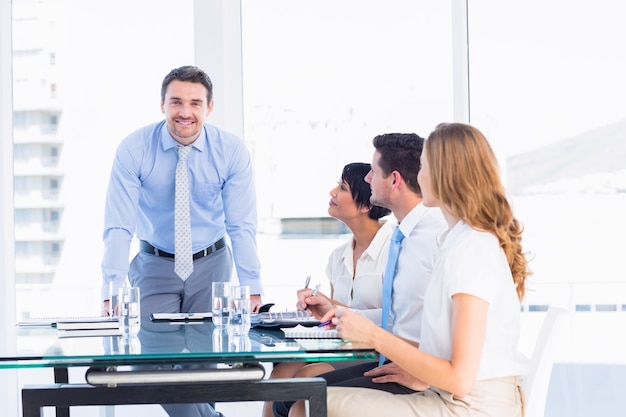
x=189, y=362
x=40, y=346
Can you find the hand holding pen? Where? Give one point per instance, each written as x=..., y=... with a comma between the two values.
x=314, y=301
x=304, y=293
x=325, y=323
x=316, y=290
x=313, y=294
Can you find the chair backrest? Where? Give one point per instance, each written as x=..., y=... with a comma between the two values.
x=537, y=381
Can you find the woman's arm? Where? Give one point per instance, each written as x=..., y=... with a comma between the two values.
x=457, y=375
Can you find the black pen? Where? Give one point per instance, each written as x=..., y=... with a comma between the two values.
x=324, y=324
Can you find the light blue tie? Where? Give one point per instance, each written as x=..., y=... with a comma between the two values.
x=183, y=261
x=390, y=272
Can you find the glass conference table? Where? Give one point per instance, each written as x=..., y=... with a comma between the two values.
x=170, y=363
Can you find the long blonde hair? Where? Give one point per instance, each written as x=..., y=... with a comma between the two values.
x=466, y=180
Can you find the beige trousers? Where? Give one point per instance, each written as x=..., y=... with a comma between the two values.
x=499, y=397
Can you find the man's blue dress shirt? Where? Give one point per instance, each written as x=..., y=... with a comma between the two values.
x=140, y=199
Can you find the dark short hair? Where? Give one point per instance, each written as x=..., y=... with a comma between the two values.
x=400, y=152
x=354, y=175
x=188, y=73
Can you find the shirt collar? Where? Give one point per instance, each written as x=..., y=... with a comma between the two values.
x=451, y=234
x=168, y=141
x=412, y=218
x=375, y=249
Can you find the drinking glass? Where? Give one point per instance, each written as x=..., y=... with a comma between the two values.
x=128, y=310
x=239, y=312
x=220, y=293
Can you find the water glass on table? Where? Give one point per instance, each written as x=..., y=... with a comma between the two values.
x=239, y=317
x=129, y=310
x=220, y=294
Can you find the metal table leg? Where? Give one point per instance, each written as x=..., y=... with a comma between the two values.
x=61, y=376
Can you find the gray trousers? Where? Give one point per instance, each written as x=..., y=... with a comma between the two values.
x=162, y=291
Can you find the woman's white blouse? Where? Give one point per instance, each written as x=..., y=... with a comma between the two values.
x=364, y=293
x=471, y=262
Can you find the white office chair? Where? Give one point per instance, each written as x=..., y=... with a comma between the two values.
x=536, y=383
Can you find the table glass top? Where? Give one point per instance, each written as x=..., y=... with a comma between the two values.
x=158, y=342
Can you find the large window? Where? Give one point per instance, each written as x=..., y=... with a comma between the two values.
x=312, y=102
x=547, y=86
x=322, y=78
x=86, y=74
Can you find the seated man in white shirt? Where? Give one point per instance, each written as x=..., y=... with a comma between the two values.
x=393, y=181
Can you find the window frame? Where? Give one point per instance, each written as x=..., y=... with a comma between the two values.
x=8, y=383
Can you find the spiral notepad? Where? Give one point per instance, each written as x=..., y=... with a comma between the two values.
x=303, y=332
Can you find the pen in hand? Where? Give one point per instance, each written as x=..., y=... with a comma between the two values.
x=325, y=323
x=313, y=294
x=315, y=290
x=307, y=281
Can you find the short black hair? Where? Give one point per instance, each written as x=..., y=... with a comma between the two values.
x=354, y=175
x=188, y=73
x=400, y=152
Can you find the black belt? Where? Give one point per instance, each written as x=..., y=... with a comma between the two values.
x=148, y=248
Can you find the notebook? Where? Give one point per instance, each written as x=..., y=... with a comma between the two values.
x=88, y=323
x=303, y=332
x=89, y=332
x=180, y=316
x=284, y=319
x=264, y=319
x=54, y=321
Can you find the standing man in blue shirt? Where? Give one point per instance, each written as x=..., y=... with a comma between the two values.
x=140, y=200
x=141, y=197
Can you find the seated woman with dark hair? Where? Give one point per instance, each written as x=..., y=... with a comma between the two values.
x=355, y=269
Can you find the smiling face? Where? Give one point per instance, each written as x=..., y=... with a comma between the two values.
x=185, y=107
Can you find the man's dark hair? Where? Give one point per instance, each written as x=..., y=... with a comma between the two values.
x=400, y=152
x=188, y=73
x=354, y=175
